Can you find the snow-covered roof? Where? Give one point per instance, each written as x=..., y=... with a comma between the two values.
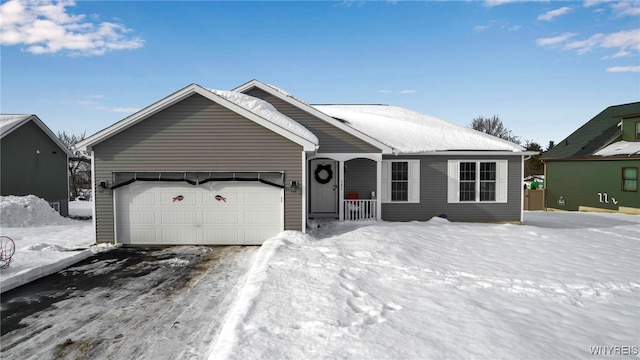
x=620, y=148
x=268, y=112
x=8, y=122
x=410, y=132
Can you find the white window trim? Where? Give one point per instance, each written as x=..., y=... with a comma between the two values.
x=414, y=182
x=502, y=180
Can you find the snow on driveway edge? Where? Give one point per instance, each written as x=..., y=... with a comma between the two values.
x=34, y=273
x=226, y=340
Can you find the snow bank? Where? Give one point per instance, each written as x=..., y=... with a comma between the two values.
x=30, y=210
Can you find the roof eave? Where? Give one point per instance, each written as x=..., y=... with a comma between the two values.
x=475, y=153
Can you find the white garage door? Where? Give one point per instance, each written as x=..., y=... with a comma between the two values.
x=167, y=213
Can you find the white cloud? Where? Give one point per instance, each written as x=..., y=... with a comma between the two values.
x=624, y=41
x=555, y=40
x=552, y=14
x=45, y=27
x=492, y=3
x=616, y=69
x=499, y=24
x=619, y=8
x=627, y=8
x=404, y=92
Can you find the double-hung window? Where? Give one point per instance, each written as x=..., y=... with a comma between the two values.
x=629, y=179
x=477, y=181
x=400, y=181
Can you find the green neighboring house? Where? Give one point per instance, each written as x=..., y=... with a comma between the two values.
x=33, y=160
x=596, y=168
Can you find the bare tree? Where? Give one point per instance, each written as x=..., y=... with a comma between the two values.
x=79, y=163
x=494, y=126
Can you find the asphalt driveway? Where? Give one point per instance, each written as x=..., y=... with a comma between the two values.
x=127, y=303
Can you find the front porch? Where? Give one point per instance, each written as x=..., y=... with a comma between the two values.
x=344, y=187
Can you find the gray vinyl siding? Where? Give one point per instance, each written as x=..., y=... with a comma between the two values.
x=332, y=139
x=27, y=172
x=195, y=134
x=360, y=177
x=433, y=194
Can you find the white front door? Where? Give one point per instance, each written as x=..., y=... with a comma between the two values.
x=324, y=188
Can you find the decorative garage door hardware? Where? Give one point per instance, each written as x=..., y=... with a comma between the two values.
x=324, y=178
x=221, y=198
x=274, y=179
x=178, y=198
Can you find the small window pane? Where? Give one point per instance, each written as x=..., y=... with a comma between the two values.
x=630, y=179
x=399, y=191
x=467, y=171
x=467, y=191
x=637, y=130
x=400, y=171
x=488, y=171
x=487, y=191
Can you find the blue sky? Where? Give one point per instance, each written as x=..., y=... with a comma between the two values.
x=544, y=67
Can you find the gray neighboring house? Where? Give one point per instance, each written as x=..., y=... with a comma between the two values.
x=33, y=161
x=204, y=166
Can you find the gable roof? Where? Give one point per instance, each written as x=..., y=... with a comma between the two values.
x=11, y=122
x=594, y=135
x=254, y=109
x=411, y=132
x=290, y=99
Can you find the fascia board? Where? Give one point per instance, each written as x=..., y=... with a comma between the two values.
x=386, y=149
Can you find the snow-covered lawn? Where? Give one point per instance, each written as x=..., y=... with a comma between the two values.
x=556, y=288
x=564, y=285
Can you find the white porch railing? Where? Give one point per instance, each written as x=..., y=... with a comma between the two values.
x=359, y=210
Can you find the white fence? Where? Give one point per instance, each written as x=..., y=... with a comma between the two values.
x=359, y=210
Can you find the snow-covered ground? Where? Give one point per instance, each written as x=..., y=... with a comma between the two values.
x=44, y=241
x=564, y=285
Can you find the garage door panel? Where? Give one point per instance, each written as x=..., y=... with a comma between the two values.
x=220, y=218
x=221, y=236
x=179, y=236
x=142, y=217
x=143, y=236
x=178, y=198
x=260, y=217
x=259, y=199
x=148, y=199
x=179, y=217
x=152, y=213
